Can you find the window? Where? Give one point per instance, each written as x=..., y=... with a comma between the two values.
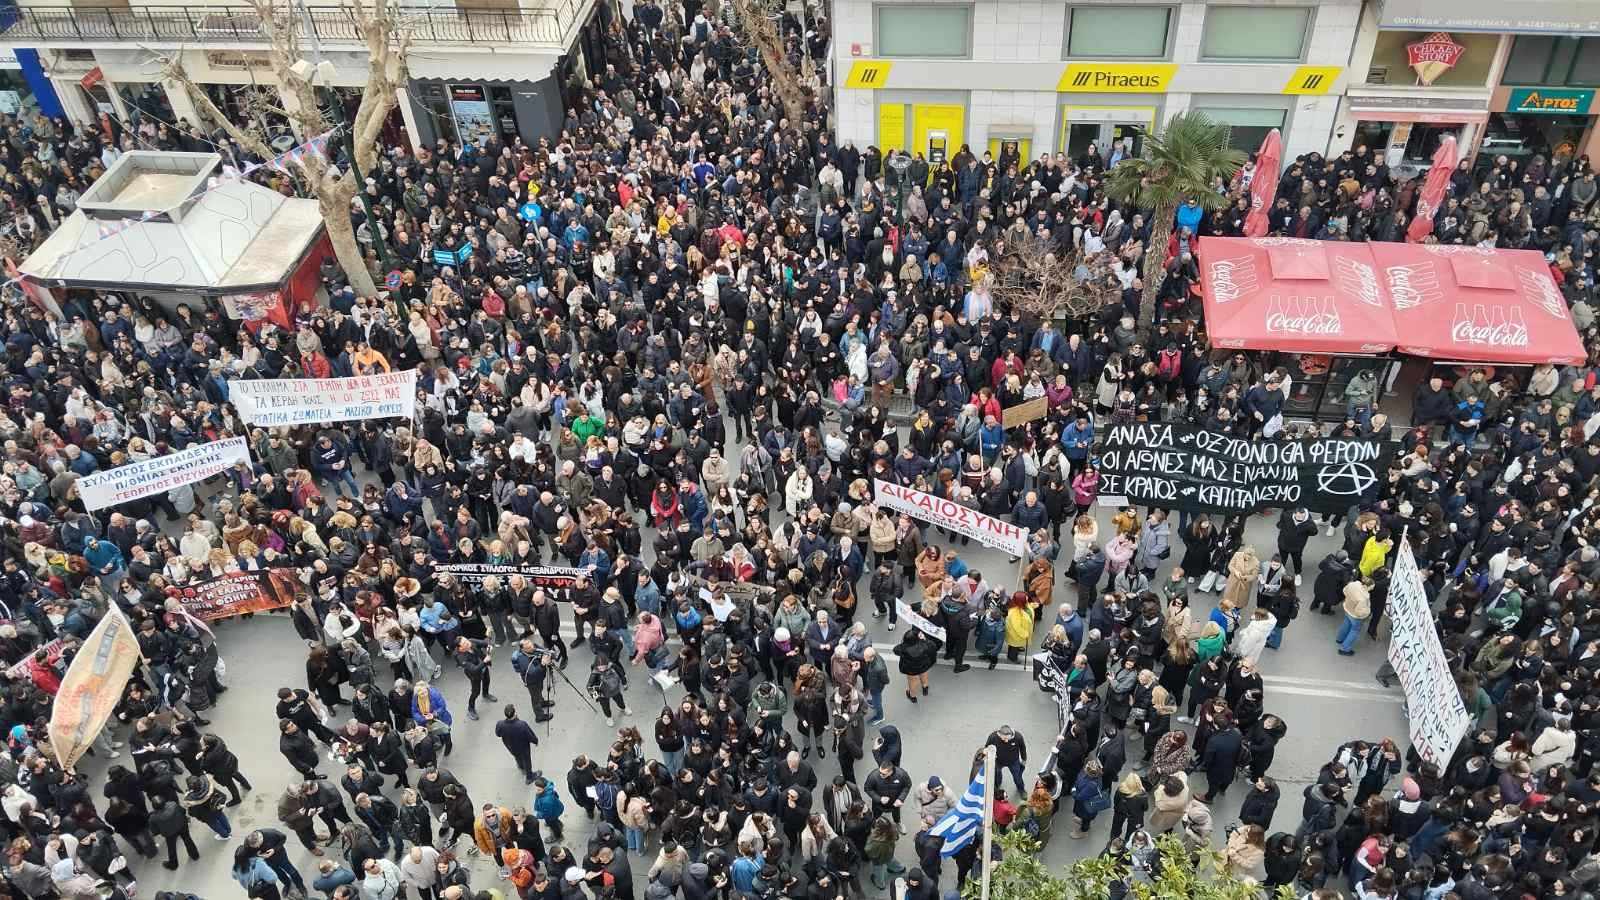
x=1247, y=127
x=906, y=30
x=1585, y=67
x=1530, y=56
x=1537, y=59
x=1255, y=32
x=1118, y=32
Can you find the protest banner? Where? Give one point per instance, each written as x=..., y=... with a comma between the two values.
x=92, y=686
x=556, y=581
x=910, y=614
x=1025, y=412
x=1196, y=470
x=986, y=530
x=52, y=651
x=238, y=593
x=1436, y=715
x=155, y=476
x=310, y=401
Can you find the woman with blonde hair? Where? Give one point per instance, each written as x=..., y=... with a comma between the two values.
x=1129, y=806
x=1246, y=853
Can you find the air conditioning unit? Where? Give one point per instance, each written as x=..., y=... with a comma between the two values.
x=1378, y=75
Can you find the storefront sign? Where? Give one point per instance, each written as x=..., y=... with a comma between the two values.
x=155, y=476
x=986, y=530
x=1311, y=80
x=1437, y=717
x=1549, y=101
x=1433, y=56
x=868, y=75
x=1565, y=17
x=92, y=78
x=1197, y=470
x=1116, y=78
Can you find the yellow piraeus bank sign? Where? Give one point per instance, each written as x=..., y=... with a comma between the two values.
x=1116, y=78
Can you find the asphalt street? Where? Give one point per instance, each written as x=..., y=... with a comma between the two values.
x=1324, y=698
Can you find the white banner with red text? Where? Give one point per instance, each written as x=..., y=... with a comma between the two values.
x=986, y=530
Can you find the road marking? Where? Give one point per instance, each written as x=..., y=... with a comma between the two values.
x=1281, y=684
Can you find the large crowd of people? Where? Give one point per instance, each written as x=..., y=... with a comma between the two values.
x=673, y=358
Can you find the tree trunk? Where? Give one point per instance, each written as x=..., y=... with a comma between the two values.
x=1154, y=259
x=334, y=199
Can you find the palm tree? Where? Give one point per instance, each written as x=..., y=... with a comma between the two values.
x=1179, y=162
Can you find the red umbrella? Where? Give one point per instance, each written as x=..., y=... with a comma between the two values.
x=1264, y=186
x=1438, y=179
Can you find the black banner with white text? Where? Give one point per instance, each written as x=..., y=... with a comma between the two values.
x=1187, y=468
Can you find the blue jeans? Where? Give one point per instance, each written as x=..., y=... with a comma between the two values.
x=626, y=637
x=1275, y=638
x=1016, y=775
x=1349, y=633
x=337, y=480
x=1361, y=412
x=673, y=760
x=635, y=838
x=219, y=824
x=875, y=700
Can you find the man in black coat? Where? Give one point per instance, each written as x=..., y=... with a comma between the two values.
x=269, y=845
x=518, y=737
x=297, y=748
x=1221, y=759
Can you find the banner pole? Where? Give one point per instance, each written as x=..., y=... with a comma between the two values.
x=988, y=814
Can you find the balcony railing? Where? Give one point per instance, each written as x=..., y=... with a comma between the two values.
x=240, y=25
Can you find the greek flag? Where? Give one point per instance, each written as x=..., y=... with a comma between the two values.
x=962, y=823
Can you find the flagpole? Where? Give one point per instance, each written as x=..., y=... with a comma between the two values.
x=988, y=814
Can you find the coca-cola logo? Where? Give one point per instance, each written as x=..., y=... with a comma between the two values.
x=1489, y=326
x=1540, y=289
x=1232, y=279
x=1412, y=286
x=1505, y=335
x=1358, y=280
x=1320, y=324
x=1303, y=316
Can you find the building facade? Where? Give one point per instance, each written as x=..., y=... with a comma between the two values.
x=477, y=67
x=1506, y=79
x=932, y=75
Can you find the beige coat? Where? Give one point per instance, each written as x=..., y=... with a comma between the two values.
x=1167, y=811
x=1243, y=570
x=1357, y=601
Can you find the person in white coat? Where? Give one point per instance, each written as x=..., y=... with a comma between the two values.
x=1555, y=746
x=1252, y=638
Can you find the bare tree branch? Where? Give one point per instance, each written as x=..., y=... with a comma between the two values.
x=1033, y=278
x=172, y=70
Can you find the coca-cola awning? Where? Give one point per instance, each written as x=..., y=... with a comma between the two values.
x=1300, y=296
x=1477, y=305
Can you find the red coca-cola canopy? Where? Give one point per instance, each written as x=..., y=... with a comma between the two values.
x=1477, y=305
x=1294, y=295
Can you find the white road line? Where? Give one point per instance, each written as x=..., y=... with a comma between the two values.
x=1281, y=684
